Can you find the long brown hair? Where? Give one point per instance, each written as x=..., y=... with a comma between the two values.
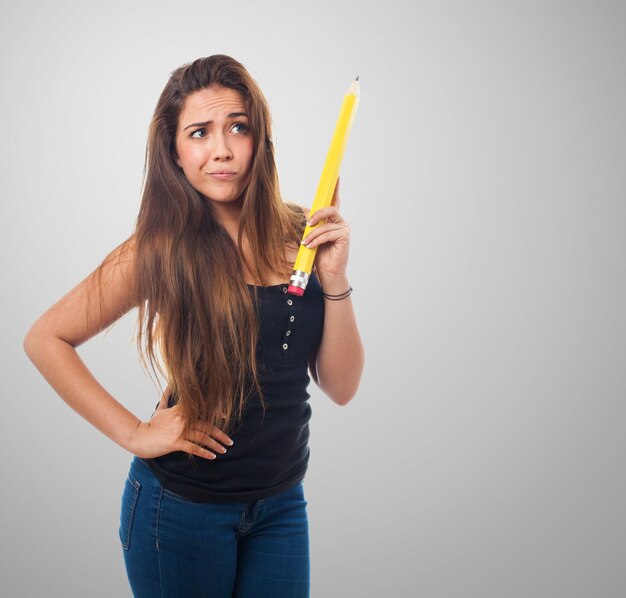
x=195, y=306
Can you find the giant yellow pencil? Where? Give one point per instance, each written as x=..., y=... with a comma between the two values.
x=326, y=187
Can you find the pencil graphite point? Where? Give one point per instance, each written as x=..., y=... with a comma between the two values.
x=357, y=78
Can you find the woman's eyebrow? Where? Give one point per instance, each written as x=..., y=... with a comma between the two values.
x=207, y=122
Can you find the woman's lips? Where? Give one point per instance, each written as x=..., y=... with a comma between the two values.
x=223, y=176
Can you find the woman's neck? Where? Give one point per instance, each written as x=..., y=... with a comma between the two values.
x=229, y=216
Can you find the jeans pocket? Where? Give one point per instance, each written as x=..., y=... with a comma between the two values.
x=129, y=501
x=179, y=498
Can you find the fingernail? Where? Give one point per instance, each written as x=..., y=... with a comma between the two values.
x=230, y=443
x=310, y=222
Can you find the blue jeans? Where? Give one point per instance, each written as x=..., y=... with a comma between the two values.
x=174, y=547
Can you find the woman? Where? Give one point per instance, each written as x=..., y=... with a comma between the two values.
x=213, y=504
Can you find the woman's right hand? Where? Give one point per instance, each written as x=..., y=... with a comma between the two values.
x=161, y=435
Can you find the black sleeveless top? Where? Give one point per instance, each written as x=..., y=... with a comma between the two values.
x=270, y=452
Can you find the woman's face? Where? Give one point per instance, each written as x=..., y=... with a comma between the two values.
x=214, y=143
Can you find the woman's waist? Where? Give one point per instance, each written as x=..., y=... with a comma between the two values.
x=264, y=446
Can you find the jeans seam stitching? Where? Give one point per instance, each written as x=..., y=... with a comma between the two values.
x=131, y=512
x=158, y=519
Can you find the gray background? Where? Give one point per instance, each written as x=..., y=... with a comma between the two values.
x=484, y=183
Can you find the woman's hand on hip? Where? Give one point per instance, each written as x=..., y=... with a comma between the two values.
x=162, y=435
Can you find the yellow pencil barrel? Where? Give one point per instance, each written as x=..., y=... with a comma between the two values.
x=326, y=186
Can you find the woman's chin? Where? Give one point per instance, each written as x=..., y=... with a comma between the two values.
x=222, y=199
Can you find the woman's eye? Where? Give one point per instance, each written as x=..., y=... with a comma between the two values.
x=244, y=128
x=198, y=131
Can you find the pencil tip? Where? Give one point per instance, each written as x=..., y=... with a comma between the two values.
x=357, y=78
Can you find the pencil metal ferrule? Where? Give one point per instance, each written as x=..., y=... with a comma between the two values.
x=299, y=278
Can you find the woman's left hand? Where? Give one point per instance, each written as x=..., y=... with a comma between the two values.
x=332, y=240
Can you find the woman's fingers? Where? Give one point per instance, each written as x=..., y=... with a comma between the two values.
x=202, y=439
x=195, y=449
x=203, y=435
x=163, y=434
x=199, y=443
x=325, y=233
x=329, y=237
x=219, y=435
x=330, y=213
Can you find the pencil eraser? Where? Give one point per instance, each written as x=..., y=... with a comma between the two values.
x=299, y=291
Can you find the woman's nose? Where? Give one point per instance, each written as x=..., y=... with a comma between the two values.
x=221, y=149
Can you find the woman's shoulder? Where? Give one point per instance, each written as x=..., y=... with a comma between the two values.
x=299, y=213
x=123, y=257
x=305, y=212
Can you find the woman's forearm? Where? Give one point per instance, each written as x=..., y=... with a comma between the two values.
x=340, y=356
x=61, y=366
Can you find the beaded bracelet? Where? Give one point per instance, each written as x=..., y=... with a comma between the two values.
x=338, y=297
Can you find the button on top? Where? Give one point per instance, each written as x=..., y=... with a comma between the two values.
x=292, y=318
x=284, y=289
